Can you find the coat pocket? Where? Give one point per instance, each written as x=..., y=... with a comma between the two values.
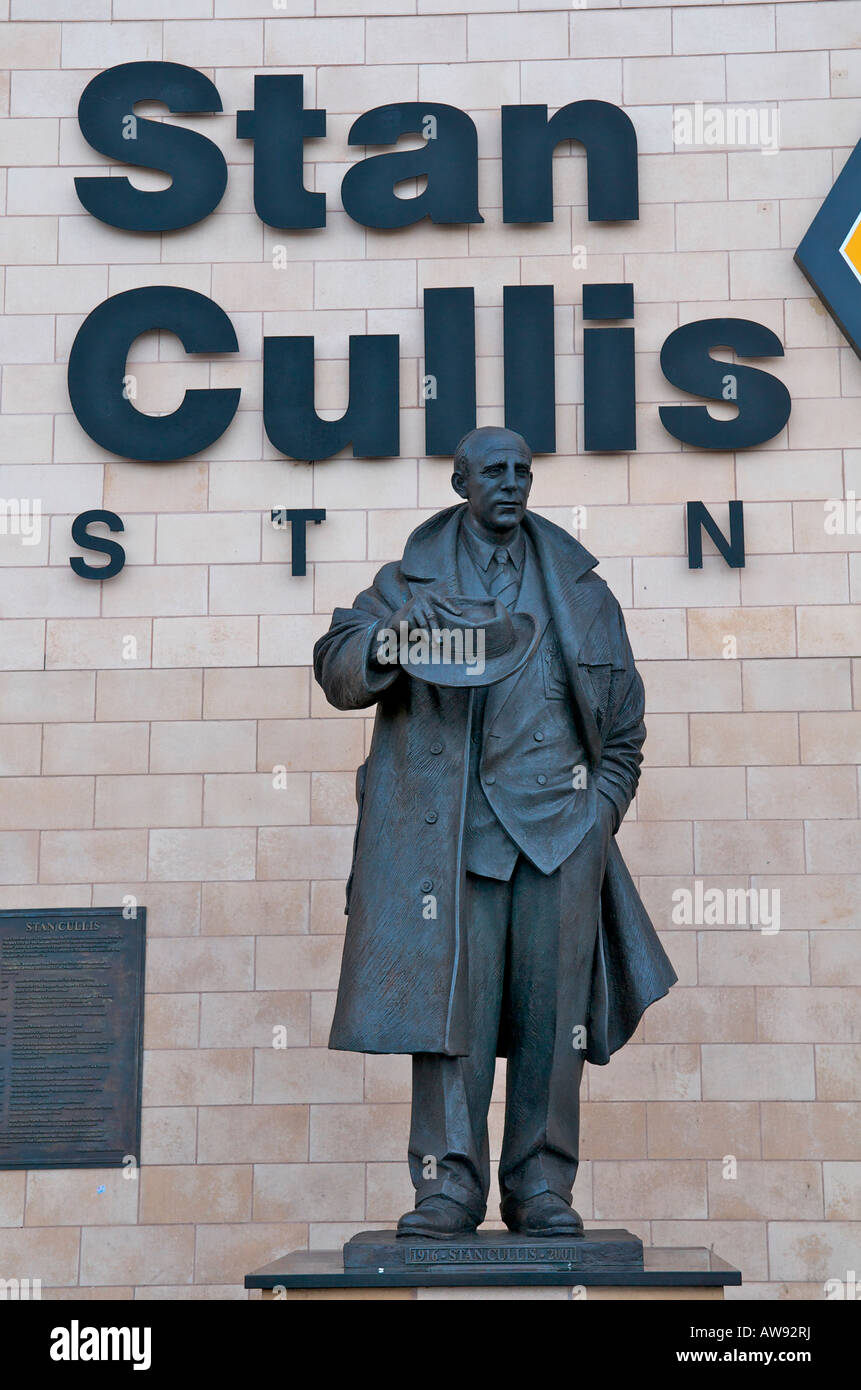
x=555, y=680
x=596, y=679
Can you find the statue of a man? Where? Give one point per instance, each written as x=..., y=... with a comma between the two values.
x=490, y=912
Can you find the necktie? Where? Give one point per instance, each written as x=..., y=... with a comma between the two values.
x=502, y=577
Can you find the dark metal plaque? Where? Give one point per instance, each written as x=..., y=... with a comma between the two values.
x=616, y=1249
x=71, y=1037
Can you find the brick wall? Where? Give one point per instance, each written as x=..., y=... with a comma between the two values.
x=153, y=775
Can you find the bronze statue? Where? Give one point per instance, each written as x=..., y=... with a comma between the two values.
x=490, y=912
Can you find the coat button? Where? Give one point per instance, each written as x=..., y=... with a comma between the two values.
x=431, y=817
x=538, y=736
x=541, y=779
x=490, y=780
x=436, y=748
x=427, y=885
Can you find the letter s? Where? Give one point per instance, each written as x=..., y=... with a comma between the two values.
x=763, y=402
x=195, y=164
x=103, y=544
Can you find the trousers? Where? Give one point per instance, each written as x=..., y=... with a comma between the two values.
x=530, y=946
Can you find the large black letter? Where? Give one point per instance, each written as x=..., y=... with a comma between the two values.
x=700, y=519
x=108, y=123
x=449, y=380
x=299, y=518
x=97, y=368
x=528, y=142
x=763, y=402
x=279, y=125
x=609, y=393
x=448, y=159
x=102, y=544
x=370, y=421
x=530, y=364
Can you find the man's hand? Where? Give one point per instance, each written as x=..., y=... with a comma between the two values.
x=419, y=615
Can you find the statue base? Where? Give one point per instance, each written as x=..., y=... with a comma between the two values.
x=660, y=1274
x=613, y=1251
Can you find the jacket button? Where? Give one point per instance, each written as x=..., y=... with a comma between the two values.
x=436, y=748
x=427, y=885
x=538, y=736
x=431, y=817
x=490, y=780
x=541, y=779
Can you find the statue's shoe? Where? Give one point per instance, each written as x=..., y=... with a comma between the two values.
x=438, y=1218
x=546, y=1214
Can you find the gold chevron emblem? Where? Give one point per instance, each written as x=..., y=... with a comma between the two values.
x=850, y=250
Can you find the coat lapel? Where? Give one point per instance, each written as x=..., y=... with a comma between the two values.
x=430, y=554
x=573, y=607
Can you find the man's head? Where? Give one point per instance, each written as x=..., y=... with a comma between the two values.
x=493, y=473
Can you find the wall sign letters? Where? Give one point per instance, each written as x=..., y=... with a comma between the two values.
x=446, y=161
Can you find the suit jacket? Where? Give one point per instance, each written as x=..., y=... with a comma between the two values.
x=404, y=974
x=528, y=786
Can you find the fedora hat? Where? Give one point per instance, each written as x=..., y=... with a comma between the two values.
x=472, y=642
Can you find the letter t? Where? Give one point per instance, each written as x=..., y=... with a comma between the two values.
x=279, y=125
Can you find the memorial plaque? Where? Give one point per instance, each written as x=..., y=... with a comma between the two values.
x=71, y=1037
x=616, y=1250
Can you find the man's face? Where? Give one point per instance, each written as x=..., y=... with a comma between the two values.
x=497, y=483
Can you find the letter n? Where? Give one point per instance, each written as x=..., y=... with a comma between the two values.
x=528, y=142
x=699, y=519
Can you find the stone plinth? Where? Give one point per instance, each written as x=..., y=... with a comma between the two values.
x=694, y=1273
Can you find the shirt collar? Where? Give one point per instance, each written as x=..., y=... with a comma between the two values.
x=483, y=551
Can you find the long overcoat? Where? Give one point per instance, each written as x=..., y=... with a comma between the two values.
x=404, y=976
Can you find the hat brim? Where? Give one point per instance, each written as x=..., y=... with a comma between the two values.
x=456, y=675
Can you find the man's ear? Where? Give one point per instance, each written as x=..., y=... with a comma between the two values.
x=458, y=482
